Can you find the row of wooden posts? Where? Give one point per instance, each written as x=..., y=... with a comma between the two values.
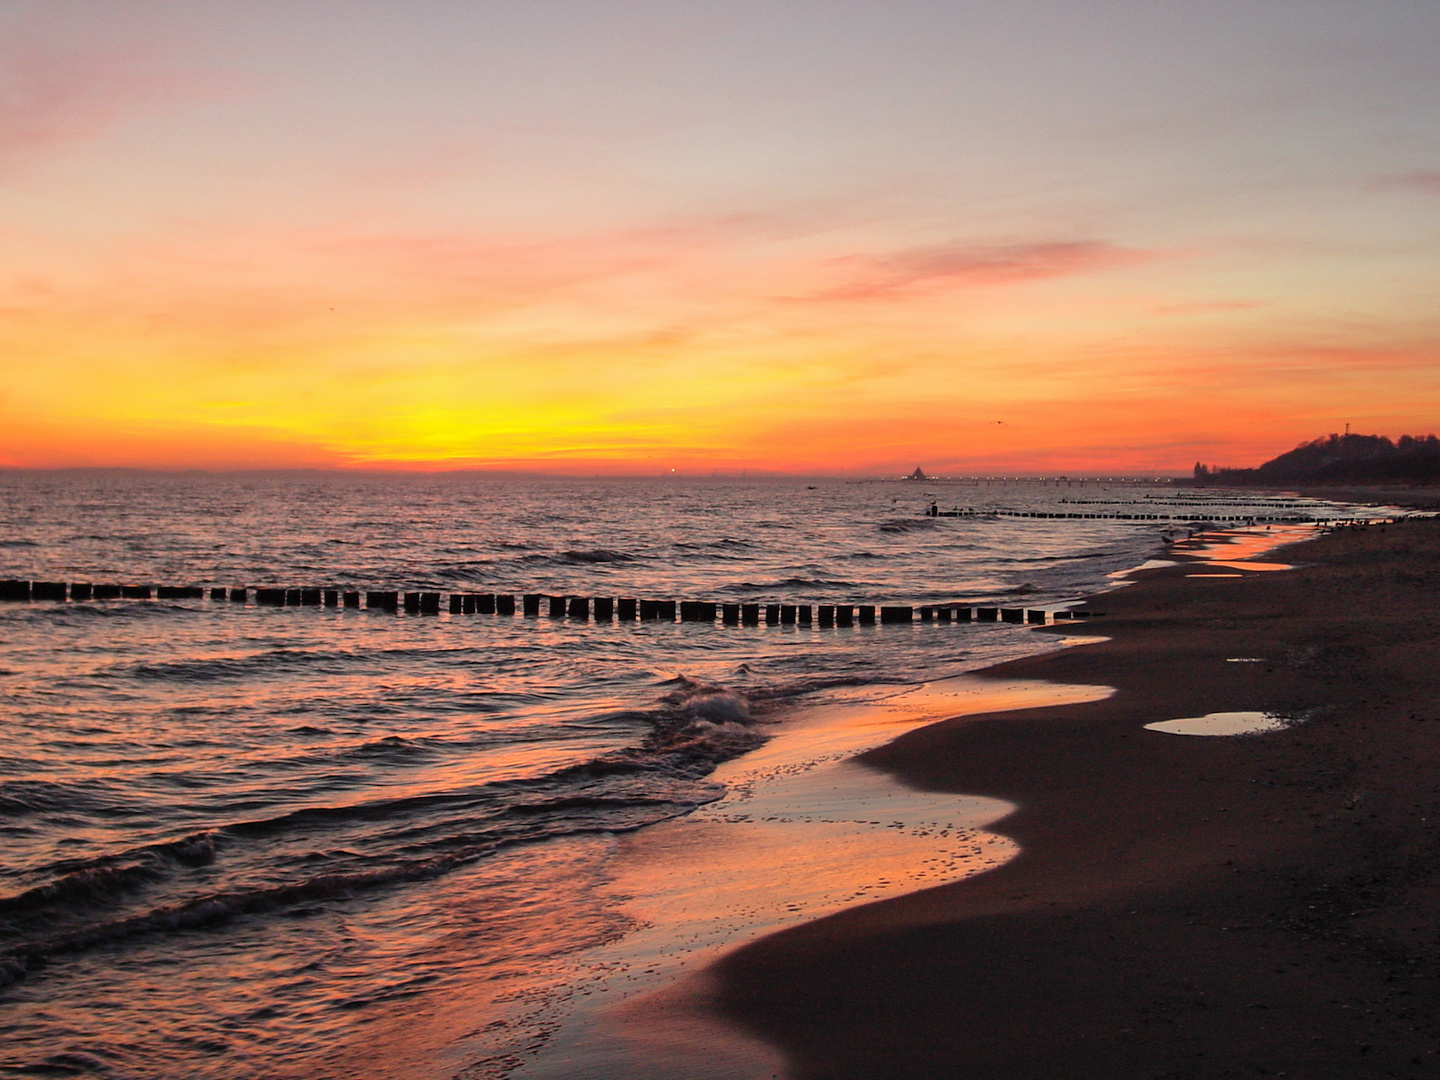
x=599, y=608
x=1199, y=519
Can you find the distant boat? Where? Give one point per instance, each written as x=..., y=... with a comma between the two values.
x=918, y=474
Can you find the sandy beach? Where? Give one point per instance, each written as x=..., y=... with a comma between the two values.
x=1181, y=906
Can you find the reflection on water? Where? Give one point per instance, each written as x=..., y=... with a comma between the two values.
x=243, y=840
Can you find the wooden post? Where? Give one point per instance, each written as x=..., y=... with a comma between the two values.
x=135, y=592
x=927, y=614
x=827, y=615
x=273, y=597
x=772, y=614
x=867, y=614
x=1035, y=616
x=352, y=599
x=382, y=601
x=803, y=614
x=897, y=614
x=467, y=603
x=457, y=604
x=412, y=603
x=14, y=590
x=557, y=607
x=697, y=611
x=579, y=607
x=730, y=614
x=48, y=590
x=750, y=614
x=531, y=604
x=239, y=595
x=942, y=614
x=487, y=604
x=604, y=608
x=844, y=615
x=215, y=594
x=627, y=607
x=332, y=597
x=987, y=614
x=1012, y=615
x=430, y=603
x=80, y=590
x=504, y=604
x=310, y=597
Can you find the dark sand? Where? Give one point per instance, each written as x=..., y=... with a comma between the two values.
x=1184, y=907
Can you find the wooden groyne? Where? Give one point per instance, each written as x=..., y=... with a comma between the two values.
x=599, y=609
x=1192, y=519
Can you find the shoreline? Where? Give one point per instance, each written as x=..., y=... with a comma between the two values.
x=692, y=888
x=1181, y=906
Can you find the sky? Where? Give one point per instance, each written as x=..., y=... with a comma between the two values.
x=622, y=236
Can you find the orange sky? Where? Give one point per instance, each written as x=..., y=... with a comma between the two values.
x=828, y=239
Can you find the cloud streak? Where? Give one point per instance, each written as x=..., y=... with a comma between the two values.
x=1426, y=181
x=980, y=265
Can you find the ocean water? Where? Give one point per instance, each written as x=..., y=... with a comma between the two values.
x=243, y=840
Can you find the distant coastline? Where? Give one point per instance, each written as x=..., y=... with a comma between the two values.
x=1338, y=461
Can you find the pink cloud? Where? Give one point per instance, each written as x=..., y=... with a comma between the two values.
x=1207, y=307
x=996, y=264
x=56, y=90
x=1423, y=180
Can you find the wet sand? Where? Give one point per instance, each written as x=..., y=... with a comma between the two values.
x=1180, y=906
x=804, y=830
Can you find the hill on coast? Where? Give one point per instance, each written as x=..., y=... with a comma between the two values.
x=1339, y=459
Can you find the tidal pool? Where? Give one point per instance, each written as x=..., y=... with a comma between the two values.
x=1222, y=723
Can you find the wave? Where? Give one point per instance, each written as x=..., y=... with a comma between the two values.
x=726, y=544
x=599, y=555
x=800, y=583
x=694, y=727
x=103, y=880
x=239, y=667
x=907, y=524
x=19, y=798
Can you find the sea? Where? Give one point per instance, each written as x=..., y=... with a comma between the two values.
x=241, y=840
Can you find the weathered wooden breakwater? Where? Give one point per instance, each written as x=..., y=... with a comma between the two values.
x=600, y=609
x=1194, y=519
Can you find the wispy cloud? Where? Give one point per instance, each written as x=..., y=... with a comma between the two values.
x=916, y=269
x=55, y=89
x=1422, y=180
x=1208, y=307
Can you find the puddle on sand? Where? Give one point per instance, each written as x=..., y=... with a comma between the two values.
x=1215, y=575
x=1238, y=565
x=1222, y=546
x=1222, y=723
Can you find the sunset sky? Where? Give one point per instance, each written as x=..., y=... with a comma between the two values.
x=625, y=236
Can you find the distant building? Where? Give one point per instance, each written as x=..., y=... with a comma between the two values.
x=918, y=474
